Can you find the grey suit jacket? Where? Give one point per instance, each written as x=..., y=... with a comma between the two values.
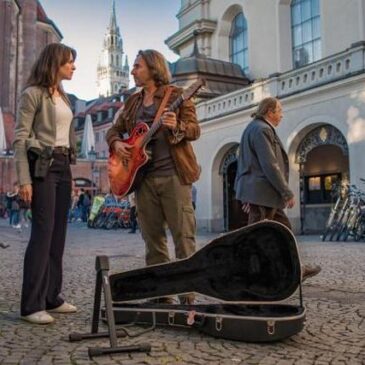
x=35, y=127
x=263, y=168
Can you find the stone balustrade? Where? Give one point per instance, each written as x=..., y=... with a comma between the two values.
x=330, y=69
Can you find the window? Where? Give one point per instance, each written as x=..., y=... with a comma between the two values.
x=318, y=189
x=238, y=43
x=306, y=31
x=97, y=137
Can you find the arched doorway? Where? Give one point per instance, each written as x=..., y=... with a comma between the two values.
x=323, y=162
x=232, y=213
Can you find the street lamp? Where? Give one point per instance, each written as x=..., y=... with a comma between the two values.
x=92, y=159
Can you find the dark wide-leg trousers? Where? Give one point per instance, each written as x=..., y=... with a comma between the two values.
x=42, y=275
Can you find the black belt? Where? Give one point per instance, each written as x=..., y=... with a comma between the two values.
x=61, y=149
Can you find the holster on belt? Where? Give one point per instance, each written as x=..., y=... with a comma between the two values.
x=42, y=159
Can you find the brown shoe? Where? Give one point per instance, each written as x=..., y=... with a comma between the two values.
x=187, y=299
x=308, y=271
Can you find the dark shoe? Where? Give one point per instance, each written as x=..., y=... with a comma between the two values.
x=308, y=271
x=131, y=231
x=4, y=245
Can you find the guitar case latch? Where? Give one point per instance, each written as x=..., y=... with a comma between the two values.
x=218, y=323
x=171, y=318
x=271, y=327
x=190, y=320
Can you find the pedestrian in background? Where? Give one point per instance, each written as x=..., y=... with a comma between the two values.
x=13, y=206
x=86, y=204
x=24, y=213
x=3, y=209
x=132, y=213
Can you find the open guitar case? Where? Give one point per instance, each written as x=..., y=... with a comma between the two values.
x=251, y=271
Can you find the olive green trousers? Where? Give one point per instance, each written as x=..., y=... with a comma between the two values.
x=163, y=202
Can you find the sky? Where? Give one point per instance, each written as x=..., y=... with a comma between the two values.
x=83, y=24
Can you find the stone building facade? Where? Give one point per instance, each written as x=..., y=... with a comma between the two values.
x=308, y=53
x=25, y=30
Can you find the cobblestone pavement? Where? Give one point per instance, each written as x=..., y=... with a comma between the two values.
x=335, y=301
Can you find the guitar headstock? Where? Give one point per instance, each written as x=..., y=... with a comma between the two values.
x=192, y=89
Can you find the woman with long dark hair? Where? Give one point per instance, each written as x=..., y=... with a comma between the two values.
x=44, y=146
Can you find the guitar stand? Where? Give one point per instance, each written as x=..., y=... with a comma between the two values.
x=102, y=285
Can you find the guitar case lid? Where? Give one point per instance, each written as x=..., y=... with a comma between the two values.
x=258, y=263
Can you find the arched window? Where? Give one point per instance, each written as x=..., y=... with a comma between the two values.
x=306, y=31
x=111, y=59
x=238, y=44
x=117, y=60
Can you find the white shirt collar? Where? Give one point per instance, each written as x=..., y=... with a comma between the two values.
x=269, y=123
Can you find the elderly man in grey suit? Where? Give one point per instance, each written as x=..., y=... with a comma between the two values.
x=263, y=170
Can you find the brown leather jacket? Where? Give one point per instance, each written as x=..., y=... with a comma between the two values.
x=188, y=130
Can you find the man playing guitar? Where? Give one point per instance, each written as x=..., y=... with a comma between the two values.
x=164, y=193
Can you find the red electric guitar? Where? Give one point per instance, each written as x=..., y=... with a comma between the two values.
x=125, y=175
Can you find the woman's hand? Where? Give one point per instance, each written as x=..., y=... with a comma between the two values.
x=26, y=192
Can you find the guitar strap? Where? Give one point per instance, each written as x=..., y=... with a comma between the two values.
x=163, y=104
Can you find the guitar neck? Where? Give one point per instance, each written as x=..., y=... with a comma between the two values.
x=156, y=125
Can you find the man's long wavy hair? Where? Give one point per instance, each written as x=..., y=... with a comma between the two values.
x=157, y=65
x=266, y=105
x=45, y=69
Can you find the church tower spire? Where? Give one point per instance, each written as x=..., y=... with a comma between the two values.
x=113, y=27
x=126, y=65
x=112, y=76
